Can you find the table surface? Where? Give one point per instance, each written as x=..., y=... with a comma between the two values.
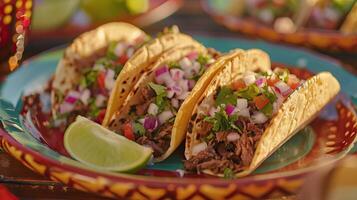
x=191, y=19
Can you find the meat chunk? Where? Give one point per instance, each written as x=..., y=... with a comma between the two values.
x=147, y=93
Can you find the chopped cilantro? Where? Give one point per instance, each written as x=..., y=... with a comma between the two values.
x=93, y=109
x=222, y=122
x=228, y=173
x=270, y=95
x=110, y=52
x=203, y=60
x=283, y=75
x=226, y=96
x=209, y=137
x=159, y=89
x=139, y=130
x=161, y=100
x=174, y=64
x=248, y=92
x=268, y=109
x=91, y=77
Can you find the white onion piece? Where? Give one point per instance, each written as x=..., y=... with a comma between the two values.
x=169, y=93
x=100, y=100
x=231, y=137
x=210, y=61
x=175, y=103
x=197, y=148
x=164, y=116
x=242, y=103
x=109, y=80
x=153, y=109
x=192, y=56
x=162, y=75
x=176, y=74
x=185, y=63
x=130, y=51
x=183, y=96
x=196, y=66
x=259, y=118
x=85, y=96
x=177, y=89
x=212, y=111
x=66, y=107
x=183, y=83
x=282, y=87
x=249, y=79
x=244, y=112
x=120, y=49
x=99, y=67
x=142, y=121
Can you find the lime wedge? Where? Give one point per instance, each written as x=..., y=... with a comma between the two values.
x=49, y=14
x=97, y=147
x=103, y=10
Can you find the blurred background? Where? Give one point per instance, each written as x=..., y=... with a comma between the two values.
x=29, y=27
x=328, y=26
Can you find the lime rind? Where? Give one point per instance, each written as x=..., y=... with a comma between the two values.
x=99, y=148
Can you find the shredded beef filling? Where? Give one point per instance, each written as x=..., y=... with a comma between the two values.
x=221, y=153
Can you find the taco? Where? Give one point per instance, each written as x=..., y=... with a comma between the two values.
x=157, y=110
x=93, y=64
x=241, y=120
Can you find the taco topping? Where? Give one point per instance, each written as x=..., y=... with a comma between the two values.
x=90, y=97
x=229, y=132
x=152, y=119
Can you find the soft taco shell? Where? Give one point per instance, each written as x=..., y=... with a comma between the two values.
x=295, y=113
x=85, y=49
x=143, y=61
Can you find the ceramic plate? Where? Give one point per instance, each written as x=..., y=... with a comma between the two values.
x=326, y=40
x=327, y=139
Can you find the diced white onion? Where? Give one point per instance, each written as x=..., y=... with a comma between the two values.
x=175, y=103
x=242, y=103
x=249, y=79
x=100, y=100
x=176, y=74
x=231, y=137
x=183, y=96
x=196, y=66
x=185, y=63
x=169, y=93
x=183, y=83
x=119, y=49
x=130, y=51
x=244, y=112
x=282, y=87
x=109, y=80
x=164, y=116
x=142, y=121
x=153, y=109
x=197, y=148
x=85, y=96
x=212, y=111
x=259, y=118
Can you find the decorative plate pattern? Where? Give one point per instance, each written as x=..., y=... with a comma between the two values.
x=316, y=38
x=325, y=140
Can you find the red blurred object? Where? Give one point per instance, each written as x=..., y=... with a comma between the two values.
x=5, y=194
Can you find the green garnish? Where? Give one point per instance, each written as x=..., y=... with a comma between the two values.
x=248, y=92
x=203, y=60
x=90, y=77
x=139, y=129
x=222, y=122
x=209, y=137
x=174, y=64
x=283, y=75
x=110, y=52
x=270, y=95
x=158, y=89
x=93, y=109
x=228, y=173
x=226, y=96
x=268, y=109
x=161, y=100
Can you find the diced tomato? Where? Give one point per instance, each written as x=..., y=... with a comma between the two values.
x=128, y=131
x=239, y=84
x=271, y=82
x=100, y=116
x=260, y=101
x=101, y=80
x=122, y=59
